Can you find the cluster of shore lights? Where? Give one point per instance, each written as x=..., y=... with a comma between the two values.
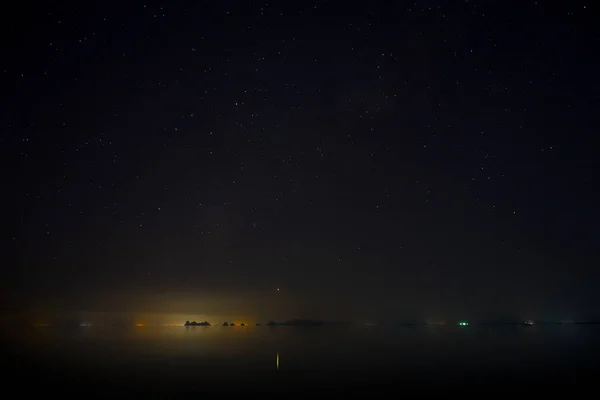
x=463, y=323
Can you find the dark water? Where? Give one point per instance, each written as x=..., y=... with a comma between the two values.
x=237, y=360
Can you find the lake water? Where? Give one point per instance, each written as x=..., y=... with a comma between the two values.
x=237, y=360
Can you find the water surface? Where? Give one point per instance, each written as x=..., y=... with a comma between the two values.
x=267, y=358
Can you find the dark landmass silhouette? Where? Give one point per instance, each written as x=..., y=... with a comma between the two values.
x=194, y=323
x=339, y=323
x=407, y=321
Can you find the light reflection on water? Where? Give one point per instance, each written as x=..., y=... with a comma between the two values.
x=171, y=350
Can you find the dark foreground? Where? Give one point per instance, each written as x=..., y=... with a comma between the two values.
x=166, y=363
x=65, y=382
x=62, y=381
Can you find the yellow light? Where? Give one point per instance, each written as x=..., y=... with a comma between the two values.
x=139, y=325
x=277, y=361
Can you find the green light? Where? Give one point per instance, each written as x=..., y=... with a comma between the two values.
x=463, y=324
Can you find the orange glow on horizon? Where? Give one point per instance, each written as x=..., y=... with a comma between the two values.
x=140, y=325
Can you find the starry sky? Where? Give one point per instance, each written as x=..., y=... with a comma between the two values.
x=369, y=159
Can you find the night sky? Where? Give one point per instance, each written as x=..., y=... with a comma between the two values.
x=371, y=160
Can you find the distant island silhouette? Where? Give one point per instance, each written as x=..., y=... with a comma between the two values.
x=292, y=322
x=194, y=323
